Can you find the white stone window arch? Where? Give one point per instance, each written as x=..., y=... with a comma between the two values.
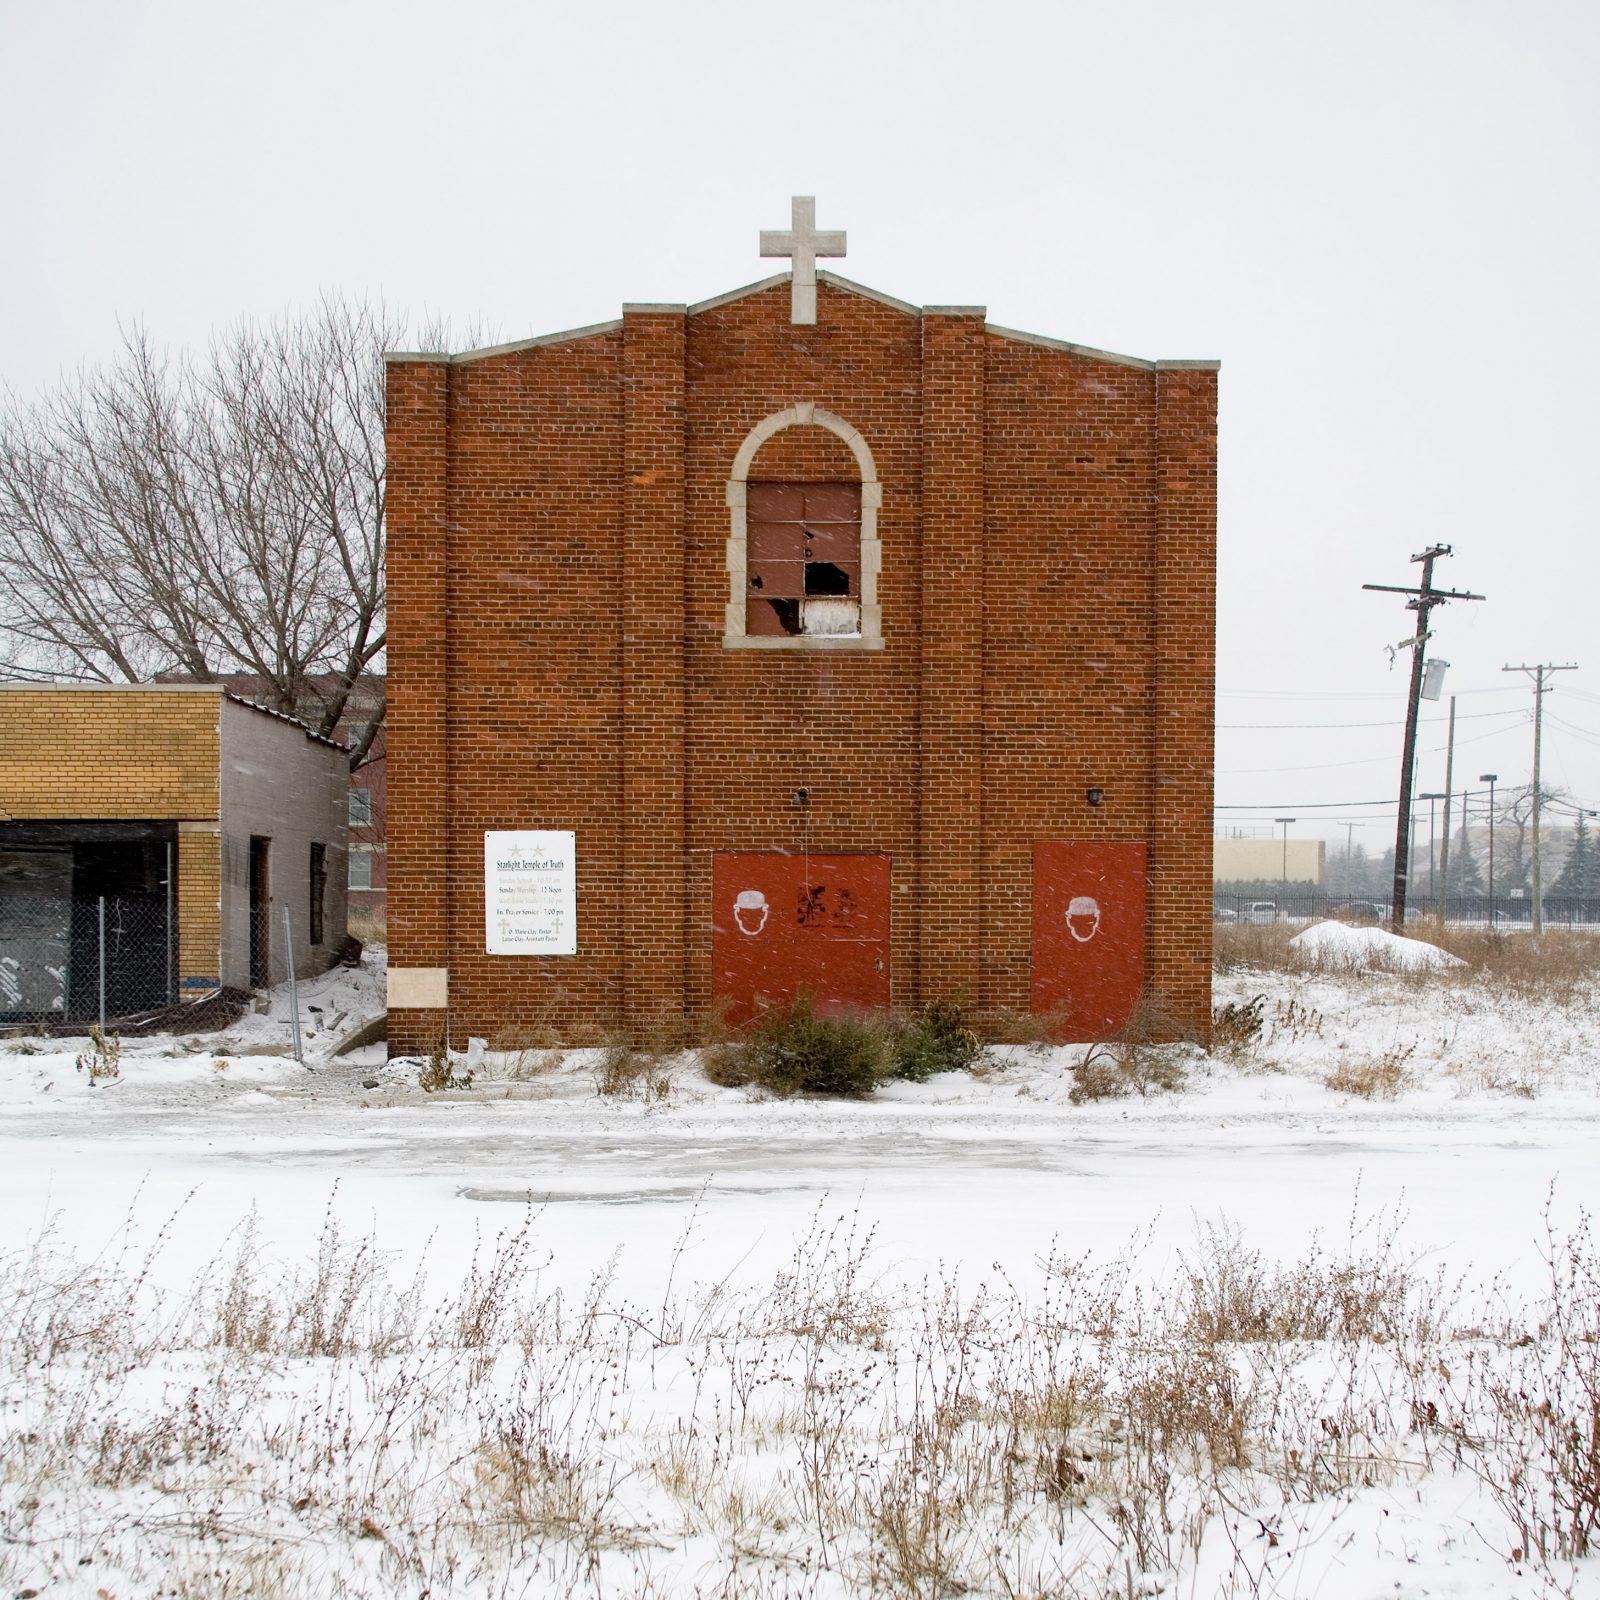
x=870, y=635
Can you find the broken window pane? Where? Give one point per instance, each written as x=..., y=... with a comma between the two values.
x=803, y=559
x=831, y=617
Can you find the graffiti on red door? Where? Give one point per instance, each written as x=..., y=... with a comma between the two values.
x=1088, y=935
x=786, y=924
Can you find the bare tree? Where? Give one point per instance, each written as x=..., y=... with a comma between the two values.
x=1516, y=812
x=207, y=516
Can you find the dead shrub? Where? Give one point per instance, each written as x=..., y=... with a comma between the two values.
x=438, y=1072
x=1137, y=1060
x=1545, y=1475
x=628, y=1070
x=1381, y=1077
x=1233, y=1295
x=103, y=1059
x=1116, y=1070
x=1236, y=1027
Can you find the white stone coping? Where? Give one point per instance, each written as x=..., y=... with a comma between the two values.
x=462, y=358
x=1044, y=341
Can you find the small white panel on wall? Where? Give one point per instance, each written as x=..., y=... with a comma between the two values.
x=530, y=888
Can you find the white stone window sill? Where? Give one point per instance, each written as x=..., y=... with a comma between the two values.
x=799, y=641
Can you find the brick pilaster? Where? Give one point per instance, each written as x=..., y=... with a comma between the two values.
x=417, y=516
x=1185, y=676
x=951, y=689
x=653, y=643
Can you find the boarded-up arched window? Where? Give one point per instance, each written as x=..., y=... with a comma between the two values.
x=803, y=554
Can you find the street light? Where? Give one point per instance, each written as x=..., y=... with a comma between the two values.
x=1285, y=873
x=1430, y=798
x=1490, y=778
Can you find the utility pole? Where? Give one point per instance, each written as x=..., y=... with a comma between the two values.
x=1422, y=601
x=1444, y=847
x=1430, y=798
x=1490, y=778
x=1537, y=673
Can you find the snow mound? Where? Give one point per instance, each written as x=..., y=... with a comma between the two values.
x=1338, y=944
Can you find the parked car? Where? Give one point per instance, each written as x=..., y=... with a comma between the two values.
x=1224, y=914
x=1262, y=911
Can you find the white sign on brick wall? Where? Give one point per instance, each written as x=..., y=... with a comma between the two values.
x=530, y=885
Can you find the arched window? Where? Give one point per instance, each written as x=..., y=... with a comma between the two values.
x=803, y=555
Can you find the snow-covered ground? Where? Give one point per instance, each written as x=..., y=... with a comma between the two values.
x=268, y=1329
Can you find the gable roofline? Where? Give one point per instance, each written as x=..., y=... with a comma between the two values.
x=464, y=357
x=1045, y=342
x=283, y=716
x=834, y=281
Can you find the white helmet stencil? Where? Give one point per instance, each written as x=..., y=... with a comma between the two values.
x=750, y=911
x=1083, y=913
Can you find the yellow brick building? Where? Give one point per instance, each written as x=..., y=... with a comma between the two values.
x=169, y=826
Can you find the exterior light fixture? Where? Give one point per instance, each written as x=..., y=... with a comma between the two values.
x=1095, y=795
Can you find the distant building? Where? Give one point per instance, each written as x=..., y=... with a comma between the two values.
x=195, y=817
x=1269, y=860
x=367, y=804
x=368, y=808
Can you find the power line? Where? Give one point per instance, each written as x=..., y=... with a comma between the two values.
x=1359, y=761
x=1572, y=727
x=1391, y=723
x=1342, y=694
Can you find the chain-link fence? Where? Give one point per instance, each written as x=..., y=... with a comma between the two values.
x=1559, y=911
x=85, y=960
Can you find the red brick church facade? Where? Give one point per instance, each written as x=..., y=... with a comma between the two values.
x=871, y=656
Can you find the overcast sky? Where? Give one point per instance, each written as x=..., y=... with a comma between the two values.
x=1380, y=217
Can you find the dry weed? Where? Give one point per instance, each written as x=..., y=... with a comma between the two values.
x=1381, y=1077
x=1003, y=1025
x=1560, y=966
x=813, y=1434
x=628, y=1070
x=1237, y=1026
x=528, y=1050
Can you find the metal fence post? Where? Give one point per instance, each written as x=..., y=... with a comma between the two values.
x=172, y=994
x=102, y=966
x=294, y=993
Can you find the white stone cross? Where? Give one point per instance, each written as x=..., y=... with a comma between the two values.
x=803, y=244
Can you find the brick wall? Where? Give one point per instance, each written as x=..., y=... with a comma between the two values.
x=125, y=754
x=558, y=523
x=131, y=754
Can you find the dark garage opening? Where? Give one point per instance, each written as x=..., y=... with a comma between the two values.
x=54, y=878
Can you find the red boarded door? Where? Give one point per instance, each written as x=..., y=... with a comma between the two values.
x=782, y=923
x=1088, y=935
